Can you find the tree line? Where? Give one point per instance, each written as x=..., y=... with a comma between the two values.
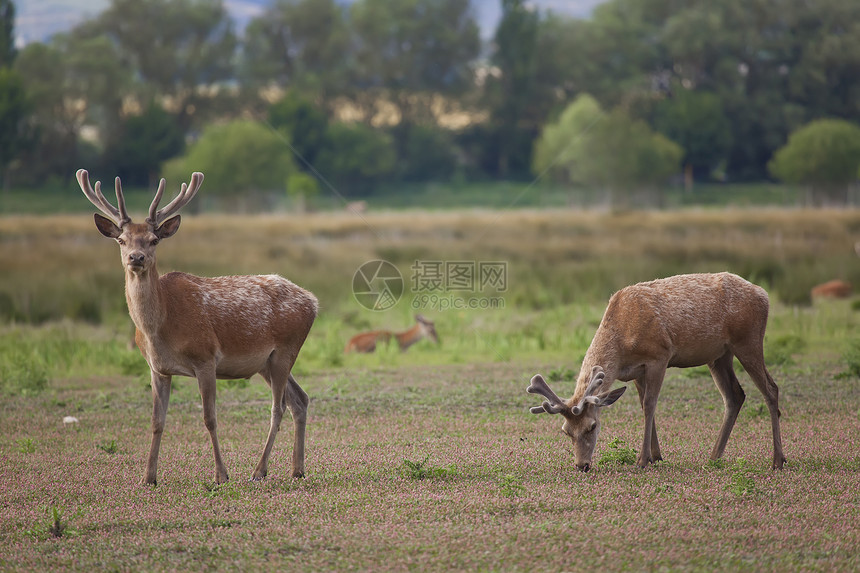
x=388, y=91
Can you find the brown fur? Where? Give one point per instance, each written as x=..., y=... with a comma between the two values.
x=368, y=341
x=832, y=289
x=680, y=321
x=209, y=328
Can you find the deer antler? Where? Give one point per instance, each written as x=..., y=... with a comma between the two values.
x=597, y=378
x=186, y=194
x=117, y=215
x=553, y=405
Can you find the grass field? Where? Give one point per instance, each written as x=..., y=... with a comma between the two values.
x=429, y=460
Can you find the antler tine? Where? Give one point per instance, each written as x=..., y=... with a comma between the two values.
x=553, y=405
x=186, y=194
x=96, y=197
x=120, y=202
x=597, y=379
x=155, y=201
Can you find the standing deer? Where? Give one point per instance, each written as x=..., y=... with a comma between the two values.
x=207, y=328
x=680, y=321
x=367, y=341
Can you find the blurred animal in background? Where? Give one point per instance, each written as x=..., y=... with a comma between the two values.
x=367, y=341
x=357, y=207
x=832, y=289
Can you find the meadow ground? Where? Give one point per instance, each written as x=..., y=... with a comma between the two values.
x=429, y=460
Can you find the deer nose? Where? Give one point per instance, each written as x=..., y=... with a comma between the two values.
x=584, y=467
x=135, y=259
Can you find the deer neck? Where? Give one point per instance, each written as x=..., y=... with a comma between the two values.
x=409, y=337
x=603, y=353
x=144, y=298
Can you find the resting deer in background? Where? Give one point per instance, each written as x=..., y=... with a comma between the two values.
x=680, y=321
x=367, y=341
x=207, y=328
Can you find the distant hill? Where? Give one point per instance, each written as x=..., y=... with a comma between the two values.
x=38, y=20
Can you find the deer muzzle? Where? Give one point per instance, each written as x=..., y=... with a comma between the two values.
x=135, y=260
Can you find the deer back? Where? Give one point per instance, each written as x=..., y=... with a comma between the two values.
x=688, y=320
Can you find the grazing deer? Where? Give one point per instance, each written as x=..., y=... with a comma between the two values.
x=207, y=328
x=680, y=321
x=832, y=289
x=367, y=341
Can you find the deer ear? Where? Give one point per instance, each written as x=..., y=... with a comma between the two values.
x=611, y=397
x=107, y=227
x=169, y=227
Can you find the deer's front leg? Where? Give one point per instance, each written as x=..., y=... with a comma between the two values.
x=206, y=383
x=160, y=400
x=655, y=443
x=650, y=390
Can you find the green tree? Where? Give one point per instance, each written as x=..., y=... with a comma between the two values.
x=7, y=33
x=237, y=158
x=299, y=44
x=303, y=124
x=562, y=143
x=14, y=109
x=145, y=142
x=356, y=158
x=179, y=49
x=301, y=187
x=607, y=151
x=696, y=121
x=75, y=80
x=509, y=86
x=410, y=52
x=823, y=155
x=427, y=153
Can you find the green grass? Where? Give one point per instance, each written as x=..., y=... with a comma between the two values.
x=428, y=459
x=617, y=453
x=481, y=472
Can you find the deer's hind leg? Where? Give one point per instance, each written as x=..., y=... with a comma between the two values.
x=286, y=393
x=297, y=401
x=752, y=359
x=723, y=373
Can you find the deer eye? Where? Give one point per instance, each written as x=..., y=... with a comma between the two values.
x=121, y=241
x=155, y=241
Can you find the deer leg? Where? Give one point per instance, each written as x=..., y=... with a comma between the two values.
x=160, y=399
x=278, y=377
x=655, y=443
x=723, y=373
x=297, y=401
x=206, y=384
x=752, y=359
x=651, y=383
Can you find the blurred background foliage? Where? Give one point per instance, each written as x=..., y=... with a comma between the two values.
x=376, y=97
